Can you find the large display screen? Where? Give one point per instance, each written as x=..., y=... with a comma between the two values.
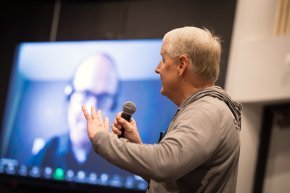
x=43, y=131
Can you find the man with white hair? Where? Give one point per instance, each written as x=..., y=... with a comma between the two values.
x=200, y=150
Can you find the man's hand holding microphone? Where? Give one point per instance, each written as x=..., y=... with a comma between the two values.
x=123, y=125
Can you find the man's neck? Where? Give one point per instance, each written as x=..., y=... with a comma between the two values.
x=190, y=90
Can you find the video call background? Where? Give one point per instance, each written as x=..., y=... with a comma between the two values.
x=37, y=104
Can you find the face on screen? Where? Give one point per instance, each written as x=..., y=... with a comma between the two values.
x=94, y=84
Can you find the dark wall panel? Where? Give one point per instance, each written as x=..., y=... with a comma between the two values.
x=153, y=18
x=20, y=21
x=90, y=20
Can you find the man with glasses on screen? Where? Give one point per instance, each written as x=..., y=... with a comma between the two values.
x=95, y=83
x=200, y=151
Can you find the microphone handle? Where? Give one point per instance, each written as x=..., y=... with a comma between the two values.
x=127, y=117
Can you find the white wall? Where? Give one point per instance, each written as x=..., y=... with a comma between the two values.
x=259, y=63
x=253, y=79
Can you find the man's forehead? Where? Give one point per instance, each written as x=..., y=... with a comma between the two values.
x=163, y=48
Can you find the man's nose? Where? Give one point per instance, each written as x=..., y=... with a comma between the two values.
x=157, y=68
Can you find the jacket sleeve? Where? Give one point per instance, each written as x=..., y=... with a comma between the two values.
x=192, y=141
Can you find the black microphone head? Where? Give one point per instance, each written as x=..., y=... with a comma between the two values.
x=129, y=107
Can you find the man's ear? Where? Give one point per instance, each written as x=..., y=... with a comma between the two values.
x=183, y=64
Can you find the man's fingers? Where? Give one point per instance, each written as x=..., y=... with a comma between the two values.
x=125, y=124
x=116, y=130
x=117, y=125
x=93, y=112
x=86, y=113
x=106, y=122
x=99, y=114
x=96, y=114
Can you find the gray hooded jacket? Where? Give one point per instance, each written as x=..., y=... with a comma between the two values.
x=198, y=154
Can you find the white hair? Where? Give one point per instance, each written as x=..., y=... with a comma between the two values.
x=200, y=45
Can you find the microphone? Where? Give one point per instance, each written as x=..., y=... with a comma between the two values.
x=129, y=109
